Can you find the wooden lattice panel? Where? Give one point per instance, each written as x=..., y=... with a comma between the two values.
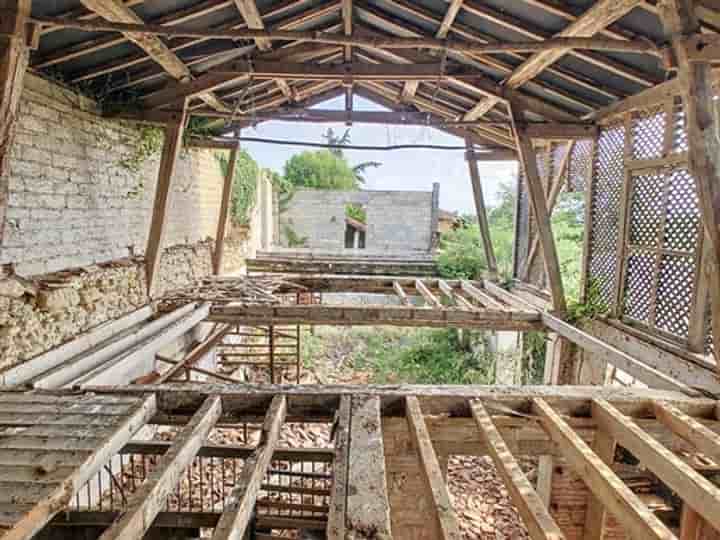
x=648, y=133
x=663, y=237
x=605, y=210
x=680, y=136
x=579, y=166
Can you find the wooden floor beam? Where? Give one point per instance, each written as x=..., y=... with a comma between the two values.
x=145, y=503
x=445, y=517
x=689, y=429
x=368, y=507
x=632, y=514
x=537, y=519
x=238, y=512
x=690, y=486
x=338, y=496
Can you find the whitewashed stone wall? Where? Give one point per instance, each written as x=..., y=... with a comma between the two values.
x=70, y=201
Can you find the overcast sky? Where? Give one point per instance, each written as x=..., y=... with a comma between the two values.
x=401, y=169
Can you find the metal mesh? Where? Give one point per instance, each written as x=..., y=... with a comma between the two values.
x=605, y=210
x=683, y=221
x=579, y=166
x=648, y=132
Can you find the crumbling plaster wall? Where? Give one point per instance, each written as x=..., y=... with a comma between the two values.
x=398, y=221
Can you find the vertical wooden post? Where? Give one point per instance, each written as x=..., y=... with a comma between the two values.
x=681, y=22
x=271, y=343
x=480, y=208
x=536, y=192
x=14, y=55
x=171, y=148
x=224, y=212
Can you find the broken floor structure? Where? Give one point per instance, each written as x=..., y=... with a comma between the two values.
x=109, y=274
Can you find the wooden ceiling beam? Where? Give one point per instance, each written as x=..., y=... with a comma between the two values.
x=114, y=10
x=482, y=86
x=181, y=44
x=607, y=64
x=596, y=18
x=558, y=45
x=384, y=22
x=84, y=48
x=453, y=9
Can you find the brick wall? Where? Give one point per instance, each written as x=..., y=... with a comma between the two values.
x=70, y=201
x=398, y=221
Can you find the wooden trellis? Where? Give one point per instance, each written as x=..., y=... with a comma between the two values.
x=644, y=237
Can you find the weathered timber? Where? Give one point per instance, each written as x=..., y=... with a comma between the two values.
x=480, y=209
x=368, y=509
x=337, y=515
x=224, y=212
x=145, y=504
x=236, y=516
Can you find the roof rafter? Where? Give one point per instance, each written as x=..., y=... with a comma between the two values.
x=596, y=18
x=114, y=10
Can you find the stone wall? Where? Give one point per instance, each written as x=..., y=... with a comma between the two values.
x=71, y=201
x=397, y=221
x=77, y=220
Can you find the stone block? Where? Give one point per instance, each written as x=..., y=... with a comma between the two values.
x=58, y=299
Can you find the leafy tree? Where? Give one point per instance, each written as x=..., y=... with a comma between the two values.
x=319, y=170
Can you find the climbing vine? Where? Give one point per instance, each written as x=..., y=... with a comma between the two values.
x=244, y=186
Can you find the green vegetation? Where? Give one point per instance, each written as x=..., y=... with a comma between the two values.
x=244, y=186
x=319, y=170
x=400, y=355
x=293, y=238
x=356, y=212
x=148, y=142
x=462, y=256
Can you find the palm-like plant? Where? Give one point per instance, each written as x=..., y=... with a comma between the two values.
x=336, y=141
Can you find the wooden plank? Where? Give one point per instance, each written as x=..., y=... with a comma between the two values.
x=89, y=464
x=145, y=504
x=616, y=357
x=595, y=516
x=626, y=507
x=401, y=293
x=596, y=18
x=536, y=193
x=338, y=495
x=480, y=296
x=537, y=519
x=480, y=209
x=171, y=149
x=702, y=438
x=368, y=507
x=446, y=520
x=429, y=297
x=215, y=337
x=235, y=518
x=118, y=12
x=691, y=487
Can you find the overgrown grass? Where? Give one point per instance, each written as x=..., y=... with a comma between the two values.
x=400, y=355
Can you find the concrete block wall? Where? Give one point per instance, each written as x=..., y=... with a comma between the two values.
x=398, y=221
x=70, y=201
